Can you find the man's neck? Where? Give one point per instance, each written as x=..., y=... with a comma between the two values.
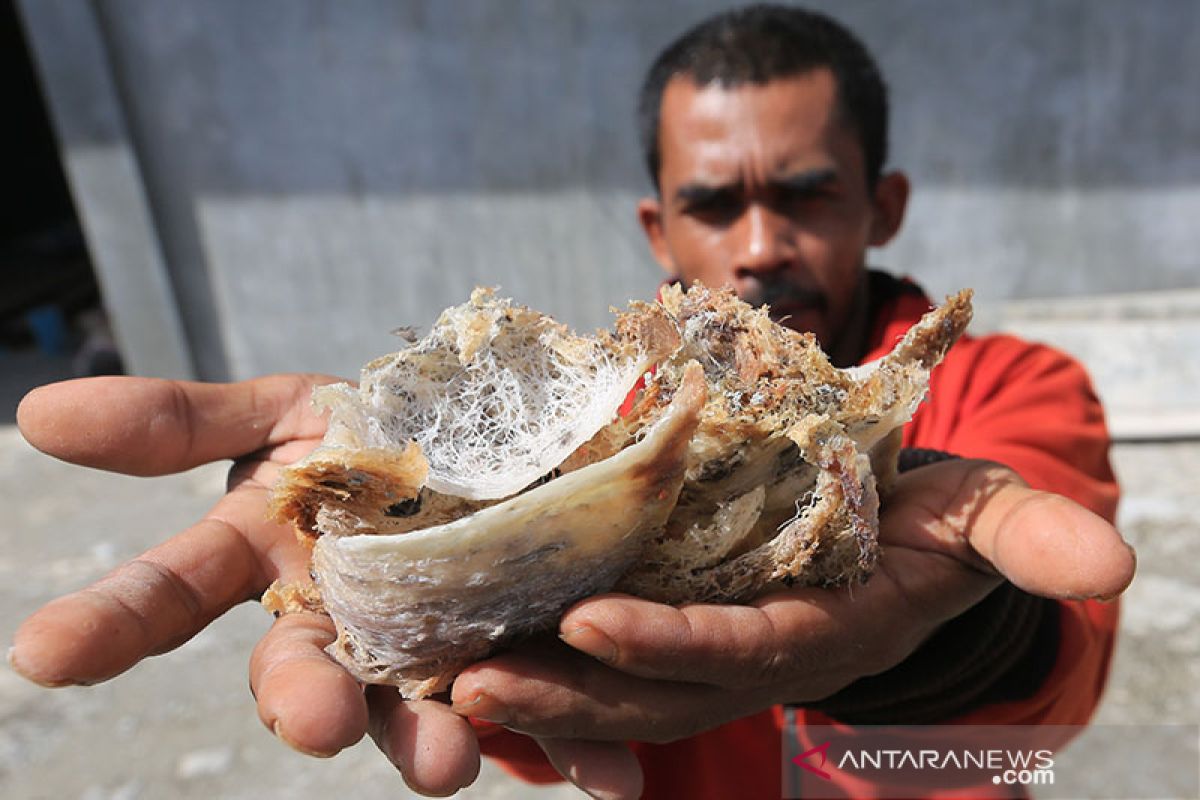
x=849, y=348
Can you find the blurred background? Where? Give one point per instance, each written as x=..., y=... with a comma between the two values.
x=221, y=189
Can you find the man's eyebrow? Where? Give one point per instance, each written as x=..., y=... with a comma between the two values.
x=697, y=191
x=806, y=181
x=800, y=182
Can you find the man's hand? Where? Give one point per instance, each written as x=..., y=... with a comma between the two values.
x=634, y=669
x=167, y=595
x=643, y=671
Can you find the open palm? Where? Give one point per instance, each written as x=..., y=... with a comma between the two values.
x=625, y=668
x=167, y=595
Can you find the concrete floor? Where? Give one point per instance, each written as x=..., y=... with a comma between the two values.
x=183, y=725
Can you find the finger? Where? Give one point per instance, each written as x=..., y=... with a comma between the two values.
x=1051, y=546
x=159, y=600
x=306, y=698
x=149, y=426
x=605, y=770
x=723, y=645
x=983, y=513
x=147, y=606
x=929, y=573
x=554, y=692
x=435, y=749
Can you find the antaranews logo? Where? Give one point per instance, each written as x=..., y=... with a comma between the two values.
x=1100, y=762
x=1011, y=766
x=907, y=759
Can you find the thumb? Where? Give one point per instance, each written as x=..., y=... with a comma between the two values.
x=1049, y=545
x=984, y=515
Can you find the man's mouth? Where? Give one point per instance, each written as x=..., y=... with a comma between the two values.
x=786, y=300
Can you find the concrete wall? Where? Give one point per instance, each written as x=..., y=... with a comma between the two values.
x=281, y=183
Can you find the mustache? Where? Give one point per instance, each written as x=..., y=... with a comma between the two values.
x=781, y=292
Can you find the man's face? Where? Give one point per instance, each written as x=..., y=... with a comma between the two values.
x=763, y=189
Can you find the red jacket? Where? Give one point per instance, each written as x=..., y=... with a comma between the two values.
x=996, y=397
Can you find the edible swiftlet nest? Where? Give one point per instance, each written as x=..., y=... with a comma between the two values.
x=477, y=483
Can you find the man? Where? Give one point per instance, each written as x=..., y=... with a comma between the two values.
x=765, y=133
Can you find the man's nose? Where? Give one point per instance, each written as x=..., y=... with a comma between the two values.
x=765, y=242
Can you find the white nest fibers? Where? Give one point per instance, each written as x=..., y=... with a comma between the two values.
x=496, y=396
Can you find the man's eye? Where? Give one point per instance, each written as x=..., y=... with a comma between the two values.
x=715, y=208
x=807, y=198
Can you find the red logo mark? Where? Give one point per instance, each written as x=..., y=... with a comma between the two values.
x=823, y=751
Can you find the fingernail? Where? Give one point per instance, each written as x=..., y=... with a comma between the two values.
x=483, y=707
x=41, y=680
x=12, y=662
x=601, y=794
x=596, y=792
x=277, y=728
x=593, y=642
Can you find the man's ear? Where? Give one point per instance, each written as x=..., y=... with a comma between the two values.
x=650, y=215
x=890, y=200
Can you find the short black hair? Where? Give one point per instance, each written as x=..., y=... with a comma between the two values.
x=764, y=42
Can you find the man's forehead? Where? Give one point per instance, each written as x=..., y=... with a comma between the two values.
x=815, y=91
x=788, y=123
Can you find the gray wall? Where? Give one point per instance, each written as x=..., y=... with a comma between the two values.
x=275, y=185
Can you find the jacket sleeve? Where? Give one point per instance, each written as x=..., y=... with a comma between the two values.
x=1026, y=406
x=1032, y=409
x=1013, y=659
